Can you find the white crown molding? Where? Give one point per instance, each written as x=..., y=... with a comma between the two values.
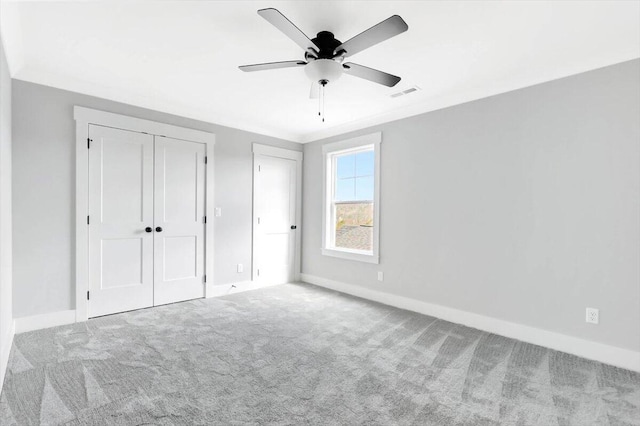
x=607, y=354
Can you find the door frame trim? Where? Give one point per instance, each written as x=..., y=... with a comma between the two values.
x=272, y=151
x=87, y=116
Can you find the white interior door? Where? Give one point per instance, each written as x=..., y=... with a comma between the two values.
x=179, y=220
x=120, y=208
x=274, y=219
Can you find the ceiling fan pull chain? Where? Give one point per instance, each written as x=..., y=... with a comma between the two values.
x=323, y=88
x=319, y=100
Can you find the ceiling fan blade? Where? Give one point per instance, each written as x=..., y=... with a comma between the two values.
x=272, y=66
x=313, y=92
x=386, y=29
x=370, y=74
x=281, y=22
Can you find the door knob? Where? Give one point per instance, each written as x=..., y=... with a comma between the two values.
x=158, y=229
x=293, y=227
x=148, y=229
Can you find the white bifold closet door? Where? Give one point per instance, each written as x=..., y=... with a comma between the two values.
x=146, y=220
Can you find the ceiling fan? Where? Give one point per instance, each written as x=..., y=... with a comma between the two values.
x=324, y=55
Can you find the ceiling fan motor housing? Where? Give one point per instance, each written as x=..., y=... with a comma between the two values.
x=327, y=44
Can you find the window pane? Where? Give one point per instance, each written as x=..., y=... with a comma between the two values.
x=364, y=188
x=365, y=163
x=346, y=166
x=354, y=226
x=345, y=189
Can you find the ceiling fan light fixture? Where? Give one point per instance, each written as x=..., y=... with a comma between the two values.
x=323, y=69
x=324, y=55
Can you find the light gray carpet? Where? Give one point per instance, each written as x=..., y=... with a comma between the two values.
x=297, y=354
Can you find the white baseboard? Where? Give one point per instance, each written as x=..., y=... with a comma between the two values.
x=607, y=354
x=232, y=288
x=6, y=351
x=52, y=319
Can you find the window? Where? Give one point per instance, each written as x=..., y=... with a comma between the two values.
x=351, y=198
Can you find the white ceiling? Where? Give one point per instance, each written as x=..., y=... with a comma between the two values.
x=182, y=57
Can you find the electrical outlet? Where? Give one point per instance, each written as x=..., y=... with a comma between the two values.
x=240, y=268
x=593, y=315
x=380, y=276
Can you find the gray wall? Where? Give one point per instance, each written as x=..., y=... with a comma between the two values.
x=6, y=317
x=522, y=207
x=44, y=194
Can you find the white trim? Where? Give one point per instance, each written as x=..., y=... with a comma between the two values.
x=6, y=351
x=82, y=230
x=38, y=322
x=619, y=357
x=351, y=255
x=85, y=117
x=297, y=156
x=273, y=151
x=347, y=144
x=94, y=116
x=220, y=290
x=341, y=147
x=209, y=229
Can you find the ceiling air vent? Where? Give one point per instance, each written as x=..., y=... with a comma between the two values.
x=405, y=92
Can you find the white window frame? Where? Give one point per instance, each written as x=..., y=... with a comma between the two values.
x=329, y=153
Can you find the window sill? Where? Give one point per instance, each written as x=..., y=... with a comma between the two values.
x=351, y=255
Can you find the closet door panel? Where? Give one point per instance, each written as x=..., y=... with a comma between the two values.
x=120, y=208
x=179, y=220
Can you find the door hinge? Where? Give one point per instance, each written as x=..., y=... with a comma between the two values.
x=89, y=143
x=205, y=159
x=258, y=272
x=87, y=220
x=205, y=278
x=205, y=219
x=87, y=295
x=259, y=166
x=258, y=221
